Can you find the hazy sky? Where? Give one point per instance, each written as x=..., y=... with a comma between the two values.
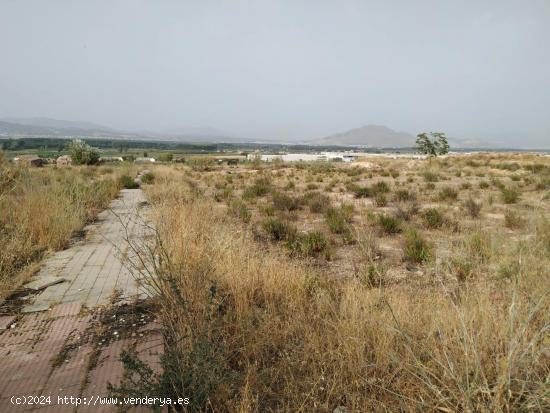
x=288, y=69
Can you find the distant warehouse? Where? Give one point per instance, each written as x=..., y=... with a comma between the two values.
x=303, y=157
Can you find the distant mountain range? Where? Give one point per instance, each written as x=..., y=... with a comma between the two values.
x=51, y=127
x=47, y=127
x=373, y=136
x=379, y=136
x=56, y=123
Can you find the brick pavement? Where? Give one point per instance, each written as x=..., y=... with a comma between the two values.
x=49, y=348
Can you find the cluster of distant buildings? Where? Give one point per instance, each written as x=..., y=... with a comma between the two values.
x=304, y=157
x=63, y=160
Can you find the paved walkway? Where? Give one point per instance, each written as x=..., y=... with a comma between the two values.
x=93, y=268
x=68, y=341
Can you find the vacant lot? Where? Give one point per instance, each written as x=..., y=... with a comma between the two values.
x=382, y=285
x=388, y=285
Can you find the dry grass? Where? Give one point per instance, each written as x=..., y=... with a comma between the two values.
x=250, y=328
x=42, y=208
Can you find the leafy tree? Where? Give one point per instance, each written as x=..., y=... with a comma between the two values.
x=432, y=144
x=82, y=153
x=6, y=145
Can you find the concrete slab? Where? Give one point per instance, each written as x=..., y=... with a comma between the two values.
x=43, y=282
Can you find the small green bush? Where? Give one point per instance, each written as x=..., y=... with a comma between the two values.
x=260, y=188
x=509, y=195
x=389, y=225
x=416, y=249
x=430, y=176
x=283, y=202
x=483, y=185
x=433, y=218
x=335, y=220
x=279, y=230
x=448, y=194
x=380, y=187
x=147, y=178
x=361, y=191
x=82, y=153
x=128, y=182
x=313, y=243
x=404, y=195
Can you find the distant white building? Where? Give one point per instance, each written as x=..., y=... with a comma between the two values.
x=105, y=159
x=303, y=157
x=145, y=160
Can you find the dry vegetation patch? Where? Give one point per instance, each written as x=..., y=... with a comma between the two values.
x=41, y=209
x=441, y=308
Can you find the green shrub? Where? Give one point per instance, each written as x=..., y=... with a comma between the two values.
x=404, y=195
x=147, y=178
x=283, y=202
x=313, y=243
x=448, y=194
x=430, y=176
x=279, y=230
x=388, y=224
x=433, y=218
x=483, y=185
x=260, y=188
x=508, y=166
x=380, y=187
x=128, y=182
x=416, y=249
x=335, y=220
x=509, y=195
x=360, y=191
x=407, y=212
x=82, y=153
